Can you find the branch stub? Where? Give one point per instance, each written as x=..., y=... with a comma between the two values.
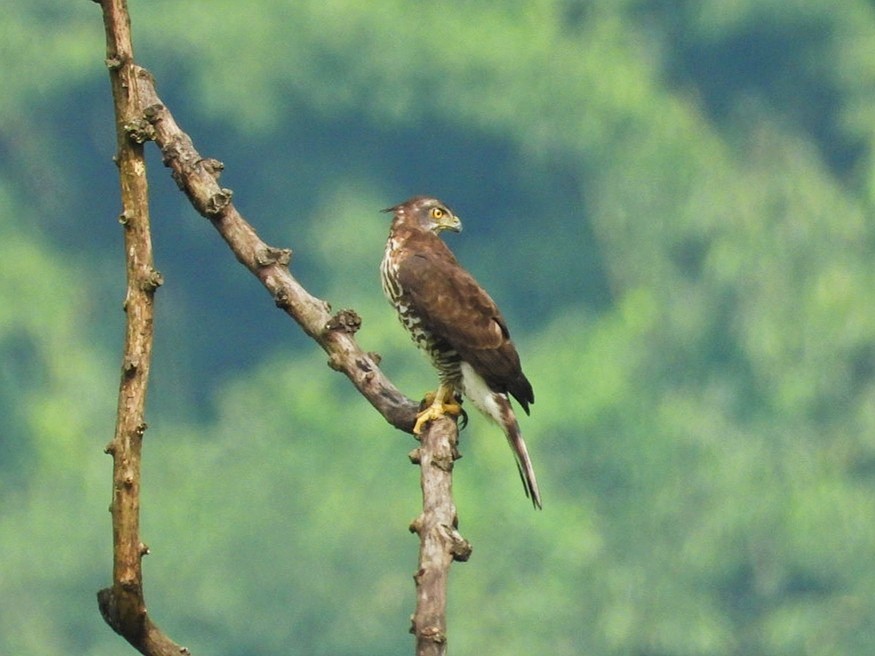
x=140, y=130
x=268, y=256
x=217, y=203
x=347, y=321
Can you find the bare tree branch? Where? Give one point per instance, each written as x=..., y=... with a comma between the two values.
x=123, y=605
x=140, y=117
x=197, y=176
x=439, y=540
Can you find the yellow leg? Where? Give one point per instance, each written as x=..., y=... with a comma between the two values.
x=441, y=402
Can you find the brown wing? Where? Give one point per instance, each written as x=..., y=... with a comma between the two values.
x=454, y=308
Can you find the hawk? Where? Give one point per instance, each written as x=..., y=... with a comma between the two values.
x=457, y=324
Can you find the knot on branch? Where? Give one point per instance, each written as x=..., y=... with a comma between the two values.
x=445, y=462
x=268, y=256
x=347, y=321
x=152, y=281
x=152, y=113
x=130, y=366
x=213, y=166
x=178, y=154
x=217, y=202
x=430, y=634
x=364, y=364
x=140, y=130
x=459, y=548
x=282, y=300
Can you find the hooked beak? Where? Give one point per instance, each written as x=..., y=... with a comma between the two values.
x=450, y=222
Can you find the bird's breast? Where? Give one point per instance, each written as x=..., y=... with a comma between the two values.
x=443, y=356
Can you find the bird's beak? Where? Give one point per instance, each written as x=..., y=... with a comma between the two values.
x=450, y=222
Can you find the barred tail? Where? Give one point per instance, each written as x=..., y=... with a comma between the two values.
x=523, y=462
x=496, y=406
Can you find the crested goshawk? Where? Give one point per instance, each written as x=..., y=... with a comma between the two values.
x=456, y=323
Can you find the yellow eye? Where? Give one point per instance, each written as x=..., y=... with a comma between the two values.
x=436, y=212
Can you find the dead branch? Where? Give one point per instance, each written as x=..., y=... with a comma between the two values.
x=140, y=117
x=439, y=540
x=198, y=177
x=123, y=605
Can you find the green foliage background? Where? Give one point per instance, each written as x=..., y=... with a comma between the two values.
x=671, y=200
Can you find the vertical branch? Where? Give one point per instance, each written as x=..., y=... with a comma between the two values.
x=140, y=116
x=439, y=540
x=123, y=605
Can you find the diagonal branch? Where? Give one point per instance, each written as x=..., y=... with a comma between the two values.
x=440, y=542
x=198, y=177
x=141, y=116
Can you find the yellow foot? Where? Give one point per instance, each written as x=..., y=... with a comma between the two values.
x=436, y=409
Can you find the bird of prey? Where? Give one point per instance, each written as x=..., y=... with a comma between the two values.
x=457, y=324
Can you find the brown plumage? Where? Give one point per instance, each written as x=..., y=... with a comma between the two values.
x=456, y=323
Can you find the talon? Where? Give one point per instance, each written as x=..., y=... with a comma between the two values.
x=452, y=408
x=437, y=404
x=430, y=413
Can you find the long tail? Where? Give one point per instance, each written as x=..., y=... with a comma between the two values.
x=496, y=406
x=511, y=428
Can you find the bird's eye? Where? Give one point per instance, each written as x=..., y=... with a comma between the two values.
x=436, y=213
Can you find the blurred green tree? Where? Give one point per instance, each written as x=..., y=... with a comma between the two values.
x=686, y=188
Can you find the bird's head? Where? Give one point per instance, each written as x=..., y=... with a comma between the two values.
x=427, y=214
